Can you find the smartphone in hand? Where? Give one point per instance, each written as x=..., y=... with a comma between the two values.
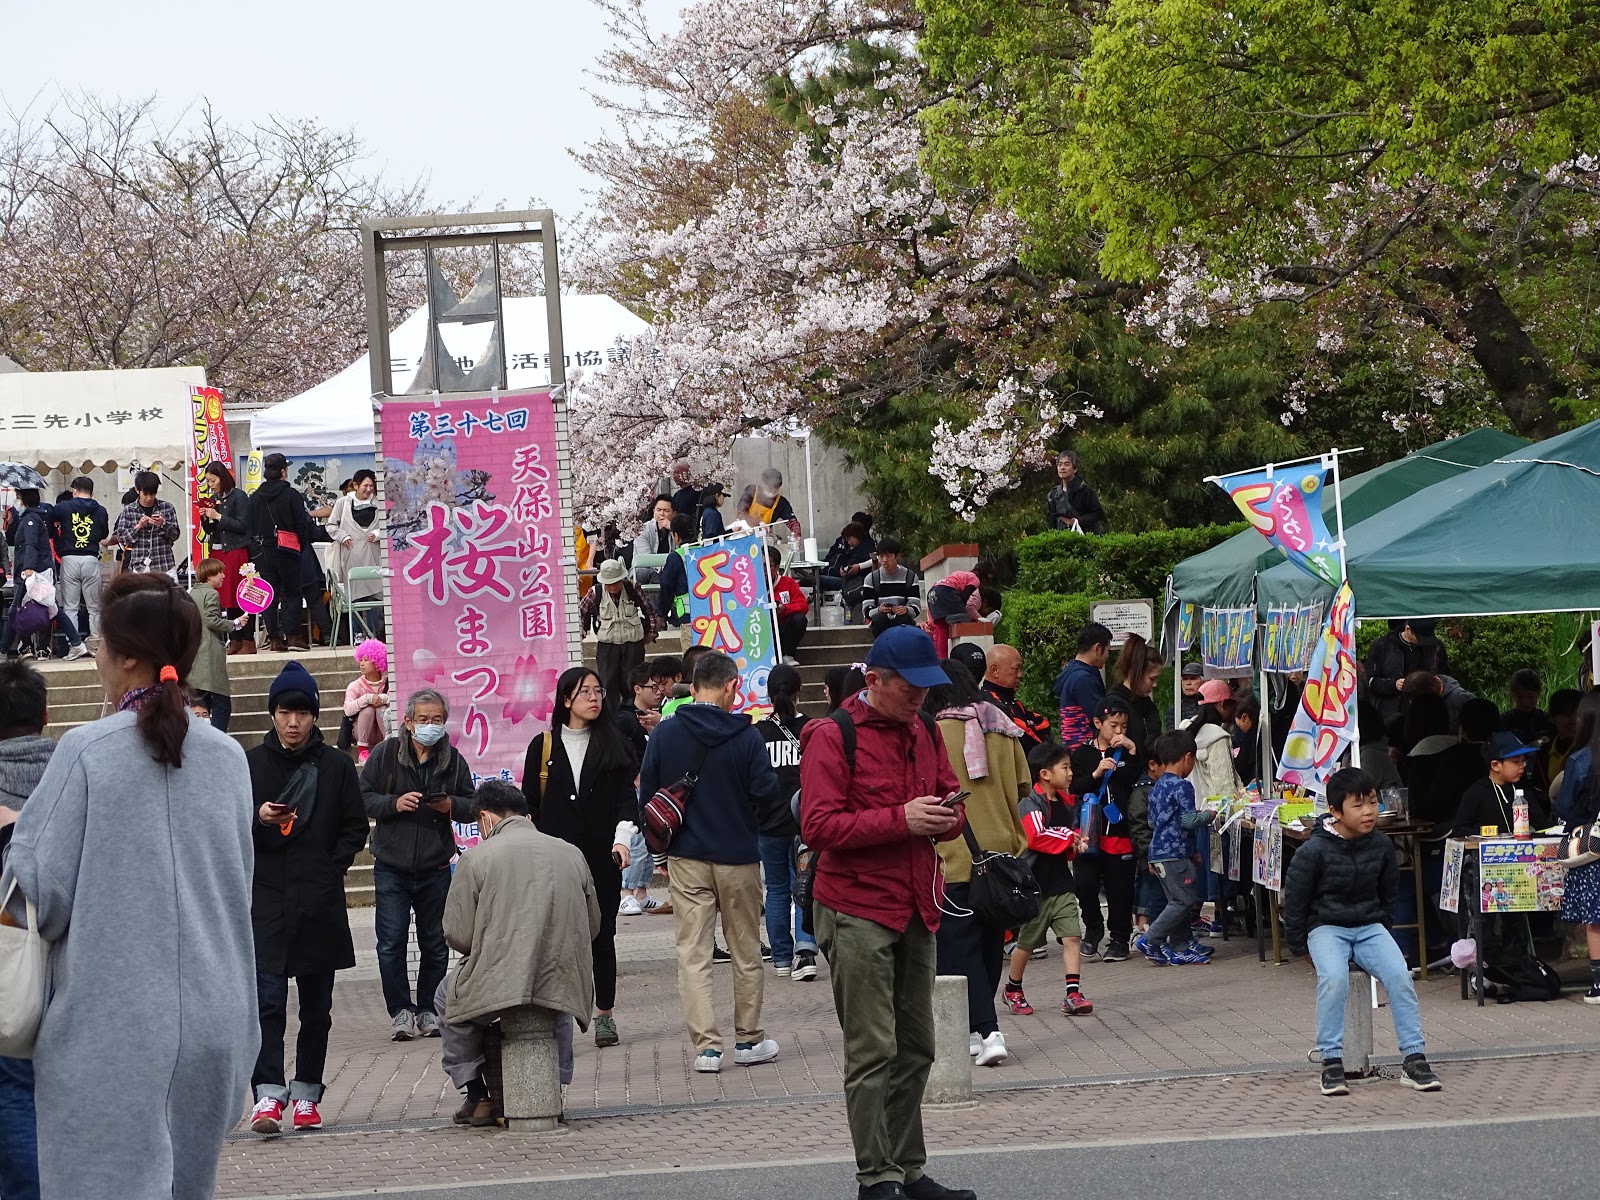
x=955, y=799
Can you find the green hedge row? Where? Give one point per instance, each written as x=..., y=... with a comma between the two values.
x=1115, y=566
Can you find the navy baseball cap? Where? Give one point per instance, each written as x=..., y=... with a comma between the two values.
x=909, y=653
x=1503, y=744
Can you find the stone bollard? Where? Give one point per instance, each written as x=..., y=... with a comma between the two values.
x=530, y=1070
x=950, y=1081
x=1358, y=1024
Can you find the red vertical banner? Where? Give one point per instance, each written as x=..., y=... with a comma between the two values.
x=209, y=445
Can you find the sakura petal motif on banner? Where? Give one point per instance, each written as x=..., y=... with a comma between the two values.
x=475, y=538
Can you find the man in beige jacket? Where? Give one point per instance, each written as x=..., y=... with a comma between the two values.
x=522, y=909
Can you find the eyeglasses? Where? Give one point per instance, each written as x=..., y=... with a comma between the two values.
x=590, y=693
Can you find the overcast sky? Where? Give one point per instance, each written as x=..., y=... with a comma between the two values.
x=484, y=99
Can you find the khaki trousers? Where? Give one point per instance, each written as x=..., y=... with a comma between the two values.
x=883, y=991
x=700, y=890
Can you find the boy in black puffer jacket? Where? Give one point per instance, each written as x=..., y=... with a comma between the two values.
x=1338, y=904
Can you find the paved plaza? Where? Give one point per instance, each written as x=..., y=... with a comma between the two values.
x=1223, y=1046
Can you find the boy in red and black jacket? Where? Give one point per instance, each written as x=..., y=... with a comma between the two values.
x=1050, y=823
x=792, y=608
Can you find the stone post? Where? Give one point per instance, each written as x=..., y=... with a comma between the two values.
x=1358, y=1024
x=950, y=1081
x=531, y=1070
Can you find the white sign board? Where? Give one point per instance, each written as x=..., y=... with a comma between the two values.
x=1123, y=617
x=122, y=417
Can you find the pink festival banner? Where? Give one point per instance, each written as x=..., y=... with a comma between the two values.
x=476, y=594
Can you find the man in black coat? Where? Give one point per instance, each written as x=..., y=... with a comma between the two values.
x=280, y=532
x=1408, y=646
x=310, y=824
x=1072, y=503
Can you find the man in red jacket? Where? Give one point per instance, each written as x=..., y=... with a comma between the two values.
x=872, y=817
x=791, y=606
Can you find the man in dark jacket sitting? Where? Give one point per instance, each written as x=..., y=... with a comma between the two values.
x=1338, y=905
x=414, y=785
x=309, y=827
x=714, y=863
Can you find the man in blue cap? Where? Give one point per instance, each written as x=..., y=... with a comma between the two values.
x=873, y=785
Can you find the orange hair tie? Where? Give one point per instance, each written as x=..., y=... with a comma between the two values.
x=169, y=674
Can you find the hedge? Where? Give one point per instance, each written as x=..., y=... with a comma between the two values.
x=1116, y=565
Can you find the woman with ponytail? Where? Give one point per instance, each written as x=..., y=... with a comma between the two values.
x=135, y=850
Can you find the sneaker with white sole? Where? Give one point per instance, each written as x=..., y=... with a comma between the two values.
x=428, y=1024
x=630, y=907
x=267, y=1116
x=404, y=1026
x=708, y=1062
x=750, y=1054
x=993, y=1052
x=805, y=966
x=783, y=970
x=77, y=652
x=974, y=1045
x=306, y=1115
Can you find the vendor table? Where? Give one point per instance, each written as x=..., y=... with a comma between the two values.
x=799, y=569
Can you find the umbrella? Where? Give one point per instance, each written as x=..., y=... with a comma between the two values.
x=19, y=475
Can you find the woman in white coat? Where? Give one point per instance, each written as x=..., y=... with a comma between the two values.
x=356, y=527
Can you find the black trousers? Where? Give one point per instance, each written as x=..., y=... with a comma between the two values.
x=614, y=662
x=970, y=947
x=883, y=620
x=1114, y=873
x=791, y=632
x=603, y=950
x=282, y=572
x=316, y=1021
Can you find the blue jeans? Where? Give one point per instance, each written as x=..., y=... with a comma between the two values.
x=19, y=1148
x=784, y=934
x=1373, y=949
x=641, y=867
x=396, y=895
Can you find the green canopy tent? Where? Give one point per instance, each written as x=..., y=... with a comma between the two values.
x=1225, y=575
x=1515, y=536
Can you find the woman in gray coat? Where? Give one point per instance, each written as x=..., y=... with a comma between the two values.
x=136, y=849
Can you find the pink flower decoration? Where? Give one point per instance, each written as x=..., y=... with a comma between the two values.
x=529, y=690
x=427, y=664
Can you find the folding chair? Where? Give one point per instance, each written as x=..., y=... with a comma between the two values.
x=344, y=605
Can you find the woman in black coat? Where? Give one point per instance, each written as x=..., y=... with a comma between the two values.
x=594, y=806
x=297, y=907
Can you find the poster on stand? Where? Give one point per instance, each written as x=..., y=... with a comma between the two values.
x=476, y=587
x=730, y=610
x=210, y=432
x=1235, y=847
x=1455, y=854
x=1227, y=636
x=1266, y=859
x=1521, y=875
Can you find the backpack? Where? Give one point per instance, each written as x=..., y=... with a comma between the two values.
x=1520, y=976
x=664, y=812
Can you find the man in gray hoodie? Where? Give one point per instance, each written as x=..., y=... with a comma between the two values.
x=24, y=752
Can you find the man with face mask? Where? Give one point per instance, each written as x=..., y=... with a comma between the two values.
x=414, y=784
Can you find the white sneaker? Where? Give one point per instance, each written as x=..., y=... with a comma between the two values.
x=790, y=660
x=761, y=1052
x=993, y=1051
x=77, y=652
x=975, y=1045
x=708, y=1061
x=630, y=907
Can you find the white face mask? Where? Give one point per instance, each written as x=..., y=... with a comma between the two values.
x=428, y=735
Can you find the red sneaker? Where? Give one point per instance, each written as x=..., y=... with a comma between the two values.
x=1018, y=1003
x=1076, y=1004
x=306, y=1115
x=267, y=1117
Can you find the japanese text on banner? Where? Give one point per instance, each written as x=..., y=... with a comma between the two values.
x=210, y=446
x=1325, y=719
x=474, y=519
x=1286, y=509
x=730, y=609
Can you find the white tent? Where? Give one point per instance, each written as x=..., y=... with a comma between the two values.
x=60, y=420
x=335, y=417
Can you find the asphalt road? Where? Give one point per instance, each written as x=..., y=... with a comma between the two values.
x=1476, y=1161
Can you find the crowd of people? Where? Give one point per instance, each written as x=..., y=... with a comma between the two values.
x=75, y=545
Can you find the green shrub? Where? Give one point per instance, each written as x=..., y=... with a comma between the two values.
x=1045, y=628
x=1115, y=566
